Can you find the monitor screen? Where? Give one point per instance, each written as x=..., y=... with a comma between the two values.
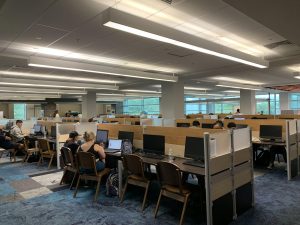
x=126, y=135
x=194, y=148
x=37, y=128
x=183, y=124
x=154, y=144
x=239, y=126
x=270, y=131
x=207, y=125
x=115, y=144
x=102, y=136
x=53, y=131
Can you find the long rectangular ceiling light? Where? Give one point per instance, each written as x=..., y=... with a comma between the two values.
x=236, y=80
x=98, y=69
x=136, y=25
x=238, y=87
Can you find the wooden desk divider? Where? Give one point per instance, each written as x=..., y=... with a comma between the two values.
x=291, y=149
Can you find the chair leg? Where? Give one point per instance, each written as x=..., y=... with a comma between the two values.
x=145, y=195
x=73, y=180
x=125, y=188
x=157, y=204
x=183, y=210
x=77, y=185
x=50, y=161
x=62, y=179
x=40, y=160
x=97, y=189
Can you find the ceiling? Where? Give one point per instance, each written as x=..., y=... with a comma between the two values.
x=74, y=34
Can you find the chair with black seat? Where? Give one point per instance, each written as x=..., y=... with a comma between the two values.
x=169, y=176
x=45, y=151
x=87, y=171
x=135, y=167
x=29, y=151
x=69, y=164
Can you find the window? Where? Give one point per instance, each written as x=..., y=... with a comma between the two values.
x=263, y=100
x=194, y=107
x=20, y=111
x=226, y=107
x=294, y=101
x=136, y=106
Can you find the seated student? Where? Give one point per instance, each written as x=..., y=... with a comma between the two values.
x=195, y=123
x=238, y=112
x=72, y=142
x=96, y=149
x=231, y=125
x=6, y=143
x=16, y=132
x=218, y=125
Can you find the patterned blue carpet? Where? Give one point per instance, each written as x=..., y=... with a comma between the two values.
x=277, y=203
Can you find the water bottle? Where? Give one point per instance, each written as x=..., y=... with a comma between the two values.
x=171, y=157
x=36, y=144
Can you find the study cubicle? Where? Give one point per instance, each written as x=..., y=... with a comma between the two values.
x=228, y=165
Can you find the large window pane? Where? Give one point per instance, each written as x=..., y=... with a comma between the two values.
x=136, y=106
x=20, y=111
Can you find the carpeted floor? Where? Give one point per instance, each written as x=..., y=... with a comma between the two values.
x=30, y=196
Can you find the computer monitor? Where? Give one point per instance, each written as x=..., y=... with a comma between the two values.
x=126, y=135
x=183, y=124
x=154, y=144
x=207, y=125
x=137, y=123
x=271, y=132
x=53, y=131
x=102, y=136
x=194, y=148
x=239, y=126
x=37, y=128
x=115, y=144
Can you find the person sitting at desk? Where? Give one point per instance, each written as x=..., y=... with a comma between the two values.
x=96, y=149
x=6, y=143
x=218, y=125
x=195, y=123
x=231, y=125
x=73, y=142
x=17, y=133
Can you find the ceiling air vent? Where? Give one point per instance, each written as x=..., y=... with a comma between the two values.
x=172, y=1
x=167, y=1
x=277, y=44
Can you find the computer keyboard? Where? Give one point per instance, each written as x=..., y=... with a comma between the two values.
x=194, y=163
x=152, y=156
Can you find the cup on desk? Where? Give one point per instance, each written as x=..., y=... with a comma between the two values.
x=170, y=155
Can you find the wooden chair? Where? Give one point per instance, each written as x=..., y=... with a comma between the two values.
x=87, y=171
x=45, y=151
x=29, y=151
x=69, y=164
x=169, y=176
x=135, y=167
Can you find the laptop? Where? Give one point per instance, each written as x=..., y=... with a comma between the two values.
x=114, y=145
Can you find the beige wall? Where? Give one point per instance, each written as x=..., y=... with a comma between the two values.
x=65, y=107
x=4, y=108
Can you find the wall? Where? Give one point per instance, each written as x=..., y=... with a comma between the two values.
x=65, y=107
x=4, y=108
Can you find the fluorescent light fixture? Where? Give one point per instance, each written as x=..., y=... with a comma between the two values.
x=196, y=88
x=98, y=69
x=142, y=91
x=109, y=94
x=231, y=91
x=203, y=94
x=55, y=77
x=239, y=87
x=235, y=80
x=167, y=40
x=52, y=86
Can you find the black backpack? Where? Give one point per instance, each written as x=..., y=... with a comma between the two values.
x=126, y=147
x=263, y=158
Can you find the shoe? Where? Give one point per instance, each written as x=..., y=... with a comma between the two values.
x=270, y=167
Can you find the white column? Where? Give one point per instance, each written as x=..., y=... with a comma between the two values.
x=172, y=100
x=89, y=105
x=247, y=102
x=284, y=101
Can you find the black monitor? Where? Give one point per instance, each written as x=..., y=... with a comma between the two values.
x=102, y=136
x=53, y=131
x=207, y=125
x=137, y=123
x=37, y=128
x=126, y=135
x=154, y=144
x=194, y=148
x=271, y=132
x=183, y=124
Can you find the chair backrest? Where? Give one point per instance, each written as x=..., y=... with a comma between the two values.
x=86, y=162
x=169, y=174
x=44, y=145
x=134, y=164
x=67, y=156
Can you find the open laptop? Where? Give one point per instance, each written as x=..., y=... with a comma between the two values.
x=114, y=145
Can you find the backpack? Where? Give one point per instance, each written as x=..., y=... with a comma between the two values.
x=112, y=183
x=126, y=147
x=263, y=158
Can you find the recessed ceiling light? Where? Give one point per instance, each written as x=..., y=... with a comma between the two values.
x=142, y=91
x=196, y=88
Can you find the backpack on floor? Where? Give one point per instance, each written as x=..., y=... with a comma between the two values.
x=126, y=147
x=263, y=158
x=112, y=183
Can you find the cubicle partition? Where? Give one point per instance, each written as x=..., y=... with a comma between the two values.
x=292, y=149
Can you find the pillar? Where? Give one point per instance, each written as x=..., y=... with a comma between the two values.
x=247, y=102
x=210, y=107
x=284, y=101
x=89, y=105
x=172, y=100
